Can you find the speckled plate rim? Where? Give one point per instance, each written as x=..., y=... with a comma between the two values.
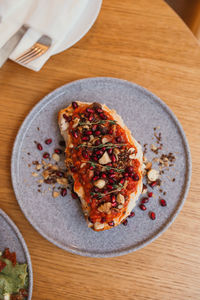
x=25, y=248
x=52, y=97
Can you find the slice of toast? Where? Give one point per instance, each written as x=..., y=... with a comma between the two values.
x=104, y=160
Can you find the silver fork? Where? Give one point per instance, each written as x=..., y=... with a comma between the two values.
x=39, y=48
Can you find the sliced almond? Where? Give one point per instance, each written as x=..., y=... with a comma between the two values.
x=153, y=175
x=71, y=146
x=105, y=159
x=56, y=157
x=120, y=198
x=100, y=183
x=105, y=207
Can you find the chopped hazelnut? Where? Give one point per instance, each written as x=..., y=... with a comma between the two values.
x=56, y=157
x=55, y=194
x=100, y=183
x=105, y=207
x=120, y=198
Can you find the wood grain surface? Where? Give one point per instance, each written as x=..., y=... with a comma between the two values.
x=145, y=42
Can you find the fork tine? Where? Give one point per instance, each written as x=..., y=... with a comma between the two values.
x=31, y=54
x=33, y=57
x=25, y=53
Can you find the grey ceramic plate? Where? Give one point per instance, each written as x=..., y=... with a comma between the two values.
x=60, y=220
x=11, y=238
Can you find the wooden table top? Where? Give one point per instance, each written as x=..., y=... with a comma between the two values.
x=145, y=42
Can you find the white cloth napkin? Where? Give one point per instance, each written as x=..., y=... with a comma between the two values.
x=55, y=18
x=7, y=7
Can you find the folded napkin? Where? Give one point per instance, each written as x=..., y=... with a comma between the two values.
x=51, y=17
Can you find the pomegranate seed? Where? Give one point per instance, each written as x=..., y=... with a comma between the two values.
x=103, y=116
x=113, y=198
x=85, y=138
x=62, y=143
x=88, y=132
x=111, y=181
x=152, y=215
x=103, y=175
x=73, y=169
x=97, y=132
x=118, y=139
x=112, y=175
x=90, y=110
x=67, y=118
x=125, y=222
x=95, y=158
x=39, y=146
x=99, y=152
x=111, y=223
x=109, y=187
x=113, y=158
x=85, y=154
x=111, y=171
x=103, y=220
x=91, y=118
x=114, y=204
x=110, y=131
x=75, y=105
x=75, y=134
x=126, y=175
x=74, y=195
x=121, y=181
x=48, y=141
x=97, y=143
x=46, y=155
x=63, y=192
x=145, y=200
x=91, y=167
x=60, y=174
x=94, y=127
x=99, y=110
x=142, y=207
x=95, y=178
x=58, y=151
x=132, y=214
x=110, y=151
x=129, y=169
x=150, y=194
x=136, y=177
x=163, y=202
x=103, y=149
x=110, y=164
x=154, y=183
